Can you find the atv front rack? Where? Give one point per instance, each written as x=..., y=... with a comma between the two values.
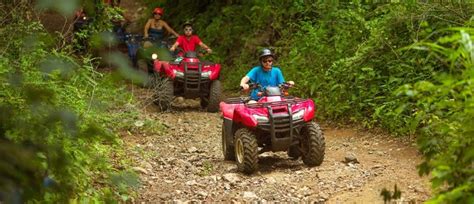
x=192, y=78
x=280, y=122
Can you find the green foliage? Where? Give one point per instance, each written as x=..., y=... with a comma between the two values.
x=445, y=108
x=58, y=118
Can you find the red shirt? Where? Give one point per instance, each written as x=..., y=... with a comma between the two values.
x=188, y=45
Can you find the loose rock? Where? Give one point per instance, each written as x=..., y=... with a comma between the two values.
x=231, y=177
x=192, y=150
x=249, y=195
x=350, y=158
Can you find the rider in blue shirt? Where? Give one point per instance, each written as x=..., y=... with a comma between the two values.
x=265, y=74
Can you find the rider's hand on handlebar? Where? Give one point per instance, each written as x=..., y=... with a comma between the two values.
x=245, y=87
x=209, y=50
x=291, y=83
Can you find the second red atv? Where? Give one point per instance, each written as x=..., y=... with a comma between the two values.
x=189, y=78
x=276, y=122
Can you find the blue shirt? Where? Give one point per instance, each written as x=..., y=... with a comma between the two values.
x=274, y=77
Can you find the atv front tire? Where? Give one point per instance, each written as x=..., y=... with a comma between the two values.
x=313, y=144
x=163, y=93
x=246, y=151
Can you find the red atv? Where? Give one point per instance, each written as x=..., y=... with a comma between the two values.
x=189, y=78
x=277, y=122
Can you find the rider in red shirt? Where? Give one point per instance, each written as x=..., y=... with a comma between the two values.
x=188, y=41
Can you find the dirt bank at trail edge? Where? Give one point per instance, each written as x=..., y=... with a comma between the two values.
x=185, y=163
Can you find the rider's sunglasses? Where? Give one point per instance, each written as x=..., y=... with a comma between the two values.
x=188, y=29
x=267, y=61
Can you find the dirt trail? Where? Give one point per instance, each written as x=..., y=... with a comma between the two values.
x=185, y=163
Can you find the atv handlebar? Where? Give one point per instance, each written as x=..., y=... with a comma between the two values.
x=200, y=53
x=251, y=86
x=149, y=38
x=286, y=85
x=129, y=35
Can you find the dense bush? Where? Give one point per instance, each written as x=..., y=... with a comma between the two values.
x=443, y=106
x=57, y=118
x=353, y=59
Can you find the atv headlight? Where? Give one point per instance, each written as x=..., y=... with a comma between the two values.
x=298, y=115
x=260, y=119
x=178, y=73
x=206, y=74
x=154, y=56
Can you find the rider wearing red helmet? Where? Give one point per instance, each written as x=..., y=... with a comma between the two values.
x=155, y=26
x=158, y=10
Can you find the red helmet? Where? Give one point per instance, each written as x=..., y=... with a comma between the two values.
x=158, y=10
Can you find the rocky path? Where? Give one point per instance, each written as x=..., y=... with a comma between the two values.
x=185, y=163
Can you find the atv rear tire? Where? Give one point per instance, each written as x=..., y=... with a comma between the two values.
x=246, y=151
x=313, y=144
x=163, y=93
x=154, y=81
x=227, y=149
x=214, y=96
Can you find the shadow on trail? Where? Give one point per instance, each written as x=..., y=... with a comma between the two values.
x=266, y=165
x=187, y=105
x=270, y=164
x=175, y=109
